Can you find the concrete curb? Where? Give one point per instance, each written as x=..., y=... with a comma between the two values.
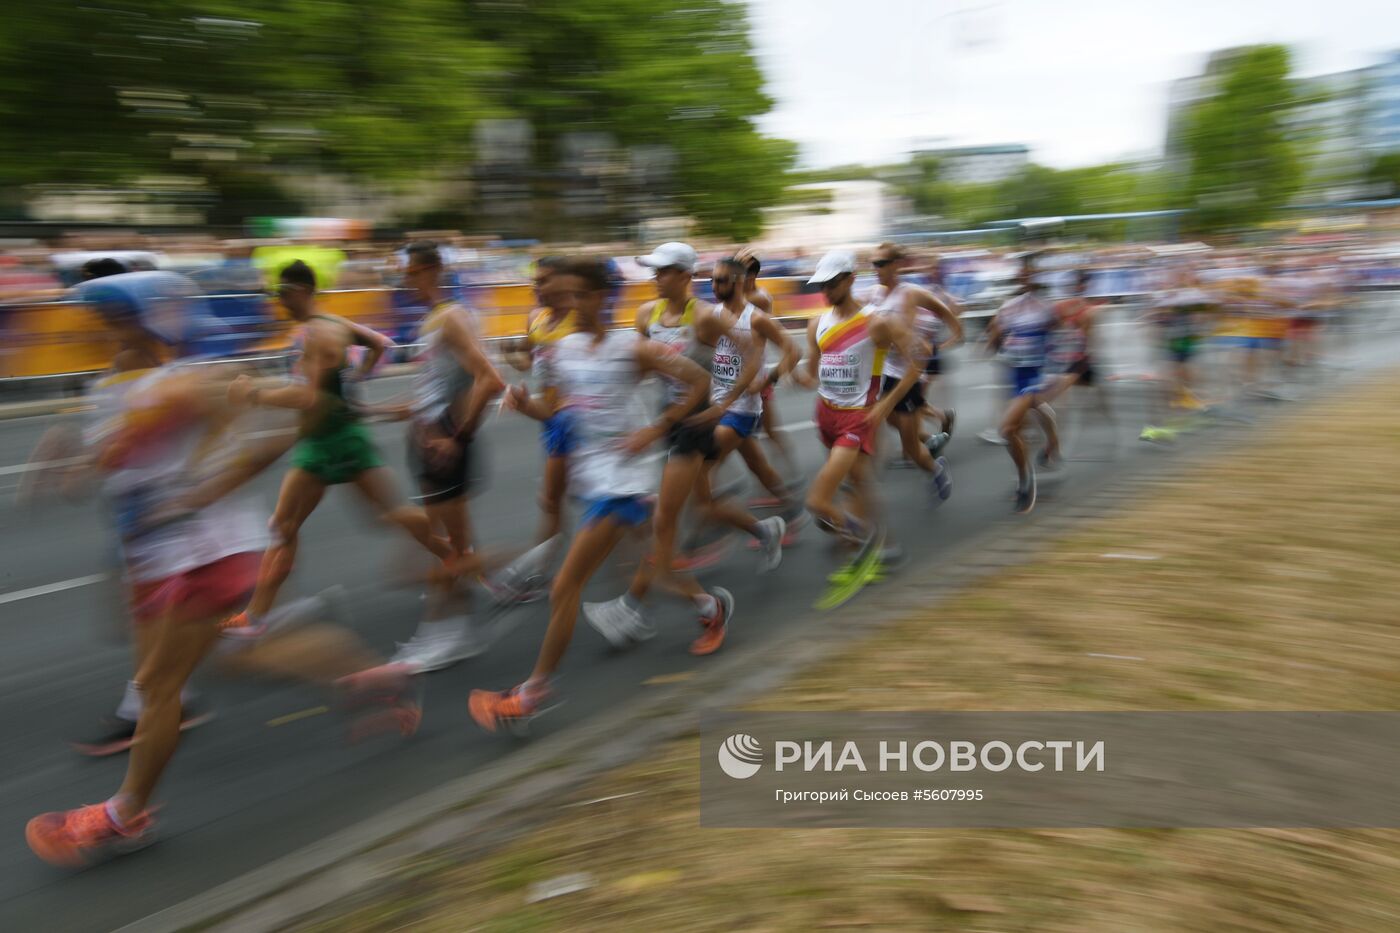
x=470, y=817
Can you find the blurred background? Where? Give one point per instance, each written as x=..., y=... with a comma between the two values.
x=192, y=135
x=1236, y=162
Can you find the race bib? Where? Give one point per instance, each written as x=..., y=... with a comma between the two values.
x=726, y=367
x=840, y=371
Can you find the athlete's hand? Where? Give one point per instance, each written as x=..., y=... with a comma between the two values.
x=804, y=379
x=240, y=390
x=440, y=451
x=877, y=415
x=702, y=418
x=516, y=398
x=641, y=439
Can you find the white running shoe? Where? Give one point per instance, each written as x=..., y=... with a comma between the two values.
x=992, y=436
x=772, y=531
x=437, y=645
x=620, y=624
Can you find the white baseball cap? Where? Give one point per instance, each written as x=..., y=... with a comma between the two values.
x=677, y=255
x=834, y=264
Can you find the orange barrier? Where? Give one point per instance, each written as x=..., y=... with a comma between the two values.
x=64, y=337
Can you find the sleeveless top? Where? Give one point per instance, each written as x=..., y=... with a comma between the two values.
x=1026, y=322
x=927, y=327
x=850, y=362
x=1070, y=342
x=678, y=338
x=335, y=406
x=729, y=361
x=598, y=379
x=440, y=378
x=165, y=464
x=541, y=337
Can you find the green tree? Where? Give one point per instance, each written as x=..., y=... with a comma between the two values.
x=1383, y=176
x=674, y=74
x=1242, y=165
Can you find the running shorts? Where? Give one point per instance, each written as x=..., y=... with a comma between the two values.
x=439, y=480
x=682, y=439
x=557, y=434
x=845, y=427
x=202, y=593
x=1083, y=369
x=337, y=456
x=741, y=424
x=913, y=399
x=627, y=511
x=1182, y=348
x=1027, y=380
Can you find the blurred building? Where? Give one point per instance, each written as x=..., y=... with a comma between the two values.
x=1382, y=113
x=829, y=213
x=978, y=165
x=1342, y=121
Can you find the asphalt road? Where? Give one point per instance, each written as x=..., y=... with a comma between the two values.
x=271, y=774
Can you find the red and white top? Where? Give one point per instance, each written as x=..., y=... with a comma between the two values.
x=850, y=364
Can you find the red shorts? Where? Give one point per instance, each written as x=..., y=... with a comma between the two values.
x=199, y=593
x=845, y=427
x=767, y=392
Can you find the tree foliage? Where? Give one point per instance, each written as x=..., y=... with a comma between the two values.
x=1243, y=167
x=252, y=94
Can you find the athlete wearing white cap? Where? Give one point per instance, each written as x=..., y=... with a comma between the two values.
x=846, y=349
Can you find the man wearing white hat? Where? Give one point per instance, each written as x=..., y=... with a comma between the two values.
x=846, y=350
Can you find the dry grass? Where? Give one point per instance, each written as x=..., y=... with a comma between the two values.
x=1274, y=587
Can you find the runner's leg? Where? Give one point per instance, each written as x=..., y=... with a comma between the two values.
x=301, y=493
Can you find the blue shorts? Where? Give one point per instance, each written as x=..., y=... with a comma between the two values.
x=627, y=511
x=741, y=424
x=1027, y=380
x=557, y=434
x=1250, y=343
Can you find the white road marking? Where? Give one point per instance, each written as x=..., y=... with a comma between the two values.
x=1126, y=556
x=39, y=465
x=1116, y=657
x=48, y=588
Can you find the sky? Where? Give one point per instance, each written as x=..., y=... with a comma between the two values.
x=1079, y=81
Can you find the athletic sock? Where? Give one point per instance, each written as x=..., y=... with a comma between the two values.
x=130, y=706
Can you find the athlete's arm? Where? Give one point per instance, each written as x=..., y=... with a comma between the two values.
x=375, y=344
x=762, y=301
x=771, y=330
x=486, y=381
x=540, y=407
x=518, y=355
x=297, y=396
x=653, y=358
x=806, y=376
x=641, y=321
x=944, y=306
x=891, y=335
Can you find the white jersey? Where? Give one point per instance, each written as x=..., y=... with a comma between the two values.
x=440, y=378
x=679, y=339
x=850, y=365
x=927, y=326
x=729, y=361
x=598, y=379
x=152, y=474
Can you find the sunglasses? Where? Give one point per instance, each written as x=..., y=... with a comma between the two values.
x=832, y=283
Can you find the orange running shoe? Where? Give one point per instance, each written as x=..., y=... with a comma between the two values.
x=715, y=625
x=80, y=837
x=382, y=699
x=492, y=709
